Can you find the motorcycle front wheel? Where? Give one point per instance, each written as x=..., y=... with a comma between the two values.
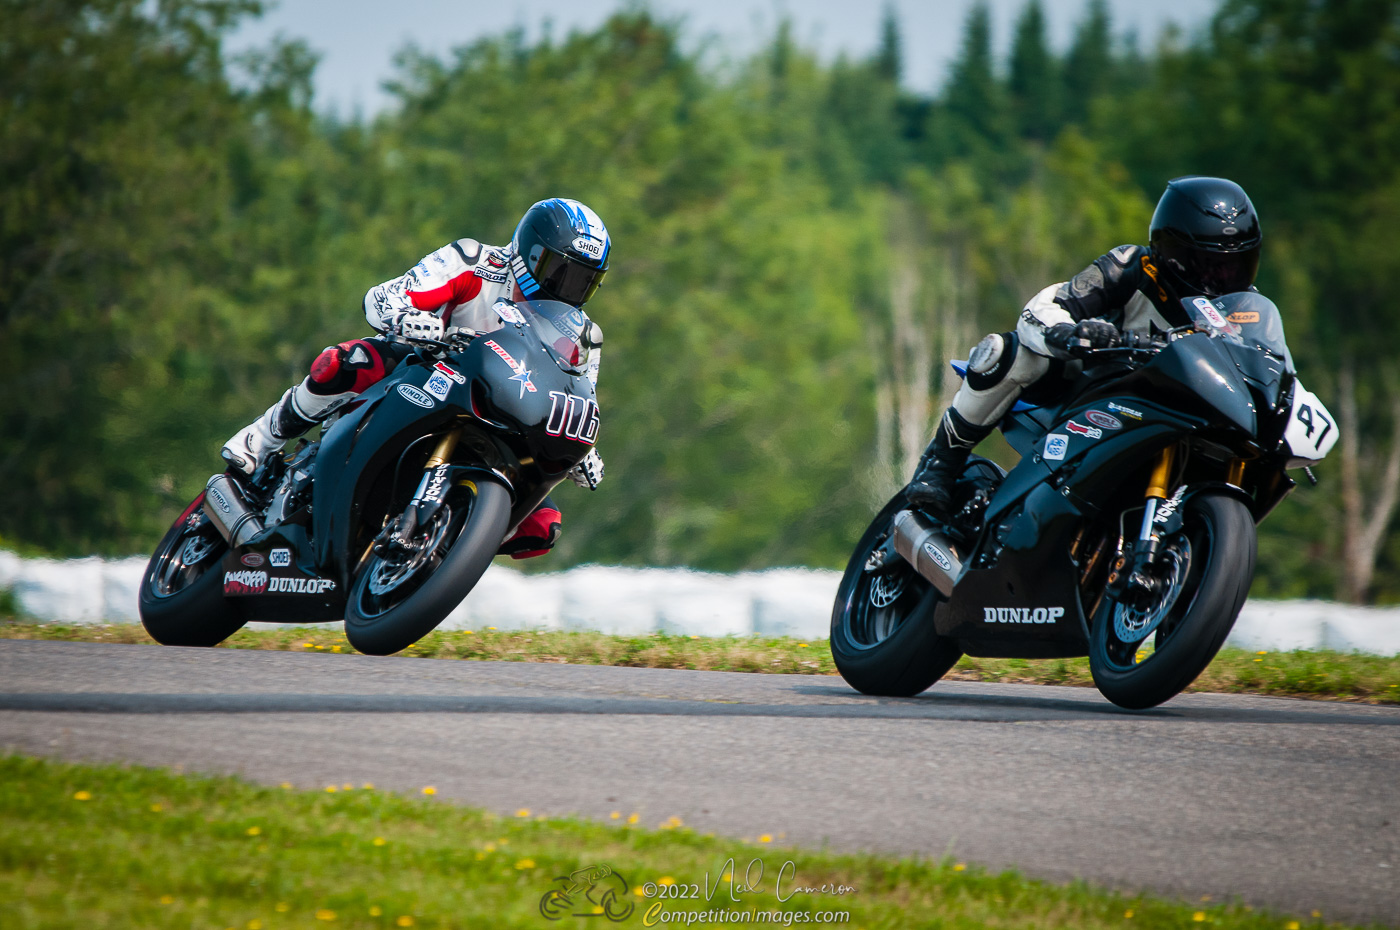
x=396, y=601
x=1142, y=657
x=181, y=600
x=882, y=635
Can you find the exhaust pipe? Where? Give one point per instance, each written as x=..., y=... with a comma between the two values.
x=929, y=551
x=230, y=513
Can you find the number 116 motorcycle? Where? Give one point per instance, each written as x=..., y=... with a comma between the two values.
x=1125, y=533
x=391, y=518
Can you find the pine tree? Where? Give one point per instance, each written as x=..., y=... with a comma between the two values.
x=1088, y=68
x=974, y=115
x=1033, y=82
x=889, y=59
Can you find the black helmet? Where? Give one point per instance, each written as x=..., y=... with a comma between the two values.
x=1205, y=237
x=560, y=251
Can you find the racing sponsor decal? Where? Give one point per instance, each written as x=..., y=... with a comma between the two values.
x=284, y=585
x=1107, y=421
x=1056, y=445
x=281, y=558
x=507, y=312
x=1169, y=506
x=488, y=274
x=1022, y=614
x=438, y=386
x=938, y=557
x=1079, y=429
x=219, y=500
x=522, y=377
x=590, y=247
x=436, y=483
x=1211, y=314
x=252, y=559
x=451, y=372
x=245, y=582
x=504, y=355
x=522, y=374
x=415, y=396
x=1128, y=412
x=1244, y=316
x=497, y=259
x=572, y=417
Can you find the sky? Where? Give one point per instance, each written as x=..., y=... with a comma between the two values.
x=357, y=39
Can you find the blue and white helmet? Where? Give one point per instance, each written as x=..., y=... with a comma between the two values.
x=560, y=252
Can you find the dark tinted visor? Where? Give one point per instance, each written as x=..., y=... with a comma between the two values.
x=564, y=279
x=1214, y=273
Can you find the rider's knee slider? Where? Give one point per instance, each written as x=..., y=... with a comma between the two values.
x=991, y=359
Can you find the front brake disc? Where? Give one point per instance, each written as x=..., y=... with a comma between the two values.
x=1132, y=625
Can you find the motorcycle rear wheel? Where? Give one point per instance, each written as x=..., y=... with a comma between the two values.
x=181, y=600
x=378, y=624
x=1219, y=544
x=882, y=634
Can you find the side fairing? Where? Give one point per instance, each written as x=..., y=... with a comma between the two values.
x=523, y=406
x=520, y=388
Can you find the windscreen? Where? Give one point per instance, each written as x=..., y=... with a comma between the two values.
x=561, y=329
x=1247, y=318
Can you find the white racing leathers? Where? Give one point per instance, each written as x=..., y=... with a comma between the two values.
x=1120, y=287
x=460, y=284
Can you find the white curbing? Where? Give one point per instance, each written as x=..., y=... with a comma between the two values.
x=779, y=602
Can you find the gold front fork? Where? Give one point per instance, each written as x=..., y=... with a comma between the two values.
x=1236, y=473
x=445, y=447
x=442, y=453
x=1157, y=485
x=1158, y=490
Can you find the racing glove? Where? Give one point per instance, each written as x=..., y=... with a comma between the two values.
x=415, y=324
x=1072, y=338
x=588, y=474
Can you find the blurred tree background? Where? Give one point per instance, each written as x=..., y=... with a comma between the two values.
x=799, y=247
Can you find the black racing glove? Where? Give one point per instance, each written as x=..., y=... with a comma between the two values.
x=1074, y=338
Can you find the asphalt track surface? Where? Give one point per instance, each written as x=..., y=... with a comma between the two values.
x=1290, y=805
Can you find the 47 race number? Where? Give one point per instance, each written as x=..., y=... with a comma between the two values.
x=1311, y=431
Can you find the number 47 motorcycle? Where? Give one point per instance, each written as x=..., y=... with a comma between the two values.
x=1125, y=533
x=391, y=518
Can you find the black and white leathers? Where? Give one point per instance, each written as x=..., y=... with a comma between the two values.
x=1122, y=287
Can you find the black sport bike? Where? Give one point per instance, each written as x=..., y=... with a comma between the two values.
x=1126, y=532
x=391, y=518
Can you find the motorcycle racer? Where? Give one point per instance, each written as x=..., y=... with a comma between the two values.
x=560, y=251
x=1203, y=240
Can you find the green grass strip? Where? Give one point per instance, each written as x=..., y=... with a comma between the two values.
x=1305, y=673
x=113, y=847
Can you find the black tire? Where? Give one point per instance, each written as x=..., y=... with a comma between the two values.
x=1221, y=546
x=184, y=605
x=470, y=545
x=892, y=650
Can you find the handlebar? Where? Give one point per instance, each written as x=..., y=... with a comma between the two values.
x=1144, y=345
x=435, y=347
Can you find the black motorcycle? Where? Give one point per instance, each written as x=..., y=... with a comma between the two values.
x=1126, y=532
x=391, y=518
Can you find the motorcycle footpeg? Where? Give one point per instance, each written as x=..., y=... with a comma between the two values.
x=881, y=556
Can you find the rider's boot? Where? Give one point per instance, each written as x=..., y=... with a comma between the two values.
x=931, y=488
x=249, y=447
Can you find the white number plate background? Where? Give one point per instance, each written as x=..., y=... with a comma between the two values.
x=1312, y=430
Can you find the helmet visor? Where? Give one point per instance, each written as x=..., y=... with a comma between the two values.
x=1226, y=272
x=564, y=279
x=1213, y=273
